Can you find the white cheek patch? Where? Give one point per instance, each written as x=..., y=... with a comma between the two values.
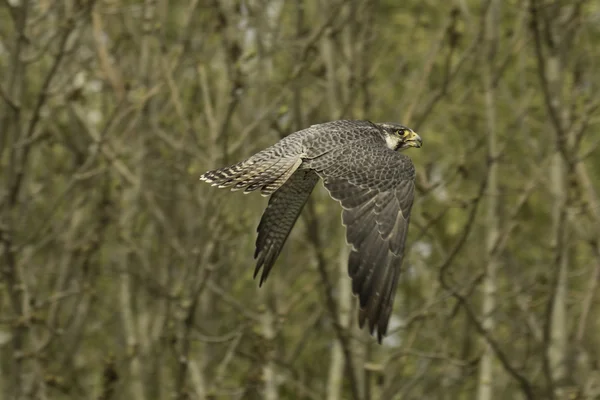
x=392, y=141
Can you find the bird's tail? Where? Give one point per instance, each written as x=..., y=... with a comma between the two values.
x=257, y=172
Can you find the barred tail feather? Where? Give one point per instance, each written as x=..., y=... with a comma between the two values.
x=256, y=178
x=227, y=176
x=253, y=174
x=280, y=179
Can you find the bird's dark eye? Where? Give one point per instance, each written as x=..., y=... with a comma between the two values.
x=401, y=132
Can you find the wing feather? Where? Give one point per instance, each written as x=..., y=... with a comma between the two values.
x=279, y=218
x=375, y=187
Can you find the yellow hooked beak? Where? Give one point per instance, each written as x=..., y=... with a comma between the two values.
x=412, y=139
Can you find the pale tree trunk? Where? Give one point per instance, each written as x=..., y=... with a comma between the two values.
x=336, y=367
x=549, y=66
x=558, y=324
x=337, y=362
x=268, y=293
x=267, y=322
x=136, y=388
x=485, y=388
x=358, y=43
x=589, y=304
x=134, y=195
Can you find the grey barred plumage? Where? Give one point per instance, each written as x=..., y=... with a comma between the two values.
x=361, y=168
x=279, y=218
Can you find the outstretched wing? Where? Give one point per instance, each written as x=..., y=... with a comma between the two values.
x=375, y=187
x=279, y=218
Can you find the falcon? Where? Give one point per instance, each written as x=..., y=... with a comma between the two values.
x=362, y=167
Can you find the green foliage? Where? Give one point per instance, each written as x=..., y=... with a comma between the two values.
x=123, y=276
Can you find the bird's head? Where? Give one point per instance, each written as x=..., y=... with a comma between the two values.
x=399, y=137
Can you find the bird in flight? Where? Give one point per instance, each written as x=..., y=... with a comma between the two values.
x=362, y=167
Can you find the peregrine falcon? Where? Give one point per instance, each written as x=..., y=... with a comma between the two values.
x=362, y=168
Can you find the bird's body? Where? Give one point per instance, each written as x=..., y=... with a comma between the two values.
x=361, y=167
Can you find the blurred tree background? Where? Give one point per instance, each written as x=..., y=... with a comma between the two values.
x=125, y=277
